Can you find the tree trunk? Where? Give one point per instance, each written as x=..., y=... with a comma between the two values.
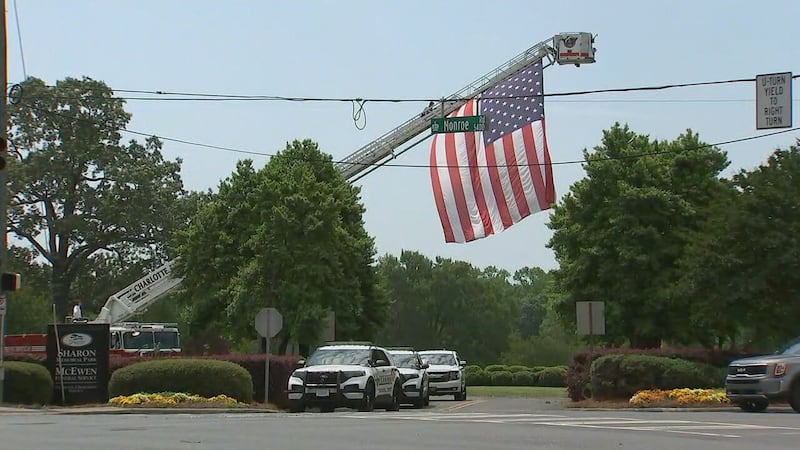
x=284, y=343
x=59, y=289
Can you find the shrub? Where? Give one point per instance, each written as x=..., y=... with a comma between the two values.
x=36, y=358
x=621, y=376
x=203, y=377
x=518, y=368
x=523, y=378
x=496, y=368
x=578, y=374
x=27, y=383
x=472, y=369
x=552, y=377
x=479, y=378
x=501, y=378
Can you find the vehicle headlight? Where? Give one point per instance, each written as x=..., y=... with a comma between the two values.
x=780, y=369
x=300, y=374
x=454, y=374
x=347, y=374
x=409, y=376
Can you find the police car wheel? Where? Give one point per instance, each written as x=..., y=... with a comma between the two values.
x=368, y=402
x=395, y=405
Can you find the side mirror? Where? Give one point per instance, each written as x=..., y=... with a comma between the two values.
x=424, y=365
x=300, y=363
x=462, y=363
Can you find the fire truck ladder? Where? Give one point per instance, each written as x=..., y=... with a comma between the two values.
x=383, y=147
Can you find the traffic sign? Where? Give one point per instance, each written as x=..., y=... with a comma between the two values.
x=774, y=100
x=269, y=322
x=466, y=124
x=591, y=318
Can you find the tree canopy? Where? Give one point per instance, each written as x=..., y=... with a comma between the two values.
x=77, y=191
x=620, y=231
x=290, y=236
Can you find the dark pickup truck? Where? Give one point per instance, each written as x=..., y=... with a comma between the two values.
x=752, y=383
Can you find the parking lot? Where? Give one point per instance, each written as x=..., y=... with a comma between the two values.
x=473, y=424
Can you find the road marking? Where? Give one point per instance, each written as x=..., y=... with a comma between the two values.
x=688, y=427
x=465, y=404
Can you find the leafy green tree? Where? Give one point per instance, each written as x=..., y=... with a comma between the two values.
x=290, y=236
x=77, y=191
x=447, y=303
x=620, y=231
x=532, y=284
x=30, y=308
x=745, y=260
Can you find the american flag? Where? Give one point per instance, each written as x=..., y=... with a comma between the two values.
x=485, y=182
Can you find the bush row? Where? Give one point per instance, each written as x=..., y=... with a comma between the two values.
x=578, y=378
x=500, y=375
x=280, y=368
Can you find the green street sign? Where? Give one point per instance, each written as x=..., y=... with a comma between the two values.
x=466, y=124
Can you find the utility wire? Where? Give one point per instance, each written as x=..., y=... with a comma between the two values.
x=19, y=39
x=428, y=166
x=196, y=96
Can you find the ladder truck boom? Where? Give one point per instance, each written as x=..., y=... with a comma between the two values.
x=564, y=48
x=136, y=297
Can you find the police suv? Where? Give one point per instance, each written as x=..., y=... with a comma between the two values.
x=346, y=374
x=413, y=376
x=446, y=373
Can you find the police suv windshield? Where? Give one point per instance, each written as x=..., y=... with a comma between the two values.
x=405, y=360
x=347, y=357
x=440, y=359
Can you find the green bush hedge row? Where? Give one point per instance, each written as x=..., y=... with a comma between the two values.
x=27, y=383
x=621, y=376
x=502, y=375
x=204, y=377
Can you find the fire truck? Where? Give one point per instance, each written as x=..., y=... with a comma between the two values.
x=138, y=338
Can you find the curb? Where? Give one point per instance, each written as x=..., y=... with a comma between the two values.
x=97, y=411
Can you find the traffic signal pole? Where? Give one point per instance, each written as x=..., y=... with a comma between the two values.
x=3, y=182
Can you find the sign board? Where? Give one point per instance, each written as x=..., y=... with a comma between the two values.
x=591, y=318
x=466, y=124
x=774, y=100
x=269, y=322
x=77, y=357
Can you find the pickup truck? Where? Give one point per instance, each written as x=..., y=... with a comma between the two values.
x=752, y=383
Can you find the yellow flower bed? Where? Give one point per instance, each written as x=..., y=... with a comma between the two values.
x=168, y=399
x=682, y=397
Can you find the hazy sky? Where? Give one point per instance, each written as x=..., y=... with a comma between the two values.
x=411, y=49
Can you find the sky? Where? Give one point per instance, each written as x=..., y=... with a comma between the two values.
x=410, y=49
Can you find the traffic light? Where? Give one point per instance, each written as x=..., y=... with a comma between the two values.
x=10, y=282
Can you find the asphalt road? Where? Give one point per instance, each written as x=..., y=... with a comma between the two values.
x=474, y=424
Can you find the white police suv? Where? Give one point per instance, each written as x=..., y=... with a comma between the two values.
x=413, y=376
x=345, y=374
x=446, y=373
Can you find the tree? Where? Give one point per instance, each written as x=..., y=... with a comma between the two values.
x=290, y=236
x=29, y=309
x=745, y=260
x=620, y=231
x=532, y=284
x=77, y=190
x=447, y=303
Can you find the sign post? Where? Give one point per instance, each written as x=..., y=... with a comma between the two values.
x=268, y=323
x=591, y=321
x=466, y=124
x=774, y=100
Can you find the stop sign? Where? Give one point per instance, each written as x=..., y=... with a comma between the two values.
x=269, y=322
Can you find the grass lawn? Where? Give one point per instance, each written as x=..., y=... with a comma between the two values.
x=516, y=391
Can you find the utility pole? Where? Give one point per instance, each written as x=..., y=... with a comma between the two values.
x=3, y=183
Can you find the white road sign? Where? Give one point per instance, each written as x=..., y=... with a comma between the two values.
x=774, y=100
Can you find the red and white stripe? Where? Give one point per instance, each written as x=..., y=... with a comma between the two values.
x=480, y=191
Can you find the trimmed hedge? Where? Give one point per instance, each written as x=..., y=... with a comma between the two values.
x=492, y=375
x=27, y=383
x=621, y=376
x=578, y=375
x=203, y=377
